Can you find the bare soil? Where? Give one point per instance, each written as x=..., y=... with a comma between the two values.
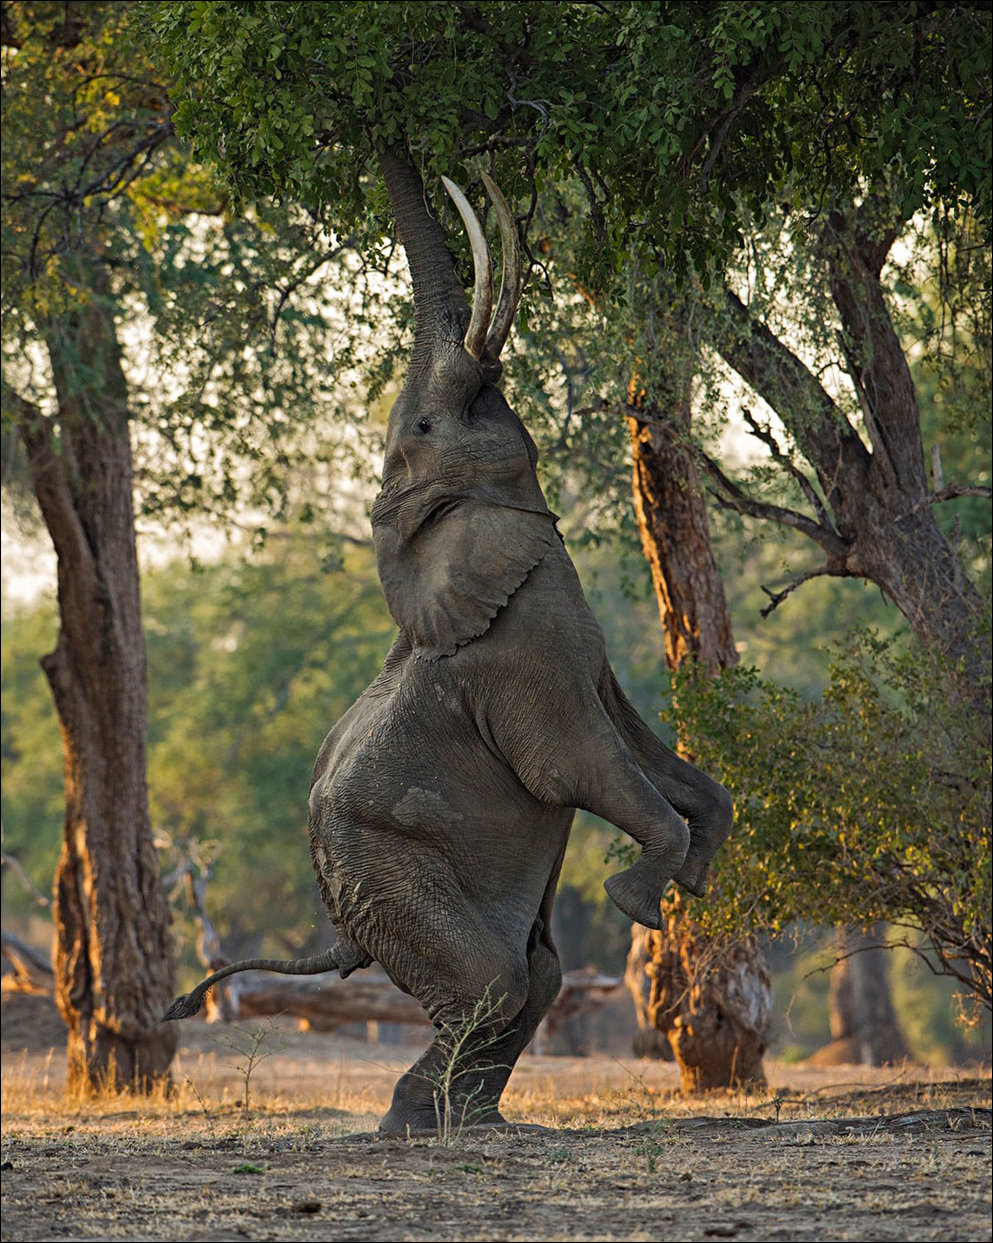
x=270, y=1134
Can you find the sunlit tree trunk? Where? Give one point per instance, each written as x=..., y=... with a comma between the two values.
x=112, y=958
x=710, y=999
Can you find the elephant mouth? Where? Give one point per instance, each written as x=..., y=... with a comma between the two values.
x=412, y=509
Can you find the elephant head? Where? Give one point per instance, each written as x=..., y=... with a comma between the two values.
x=461, y=520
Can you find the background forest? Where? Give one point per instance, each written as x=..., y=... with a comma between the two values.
x=253, y=654
x=755, y=242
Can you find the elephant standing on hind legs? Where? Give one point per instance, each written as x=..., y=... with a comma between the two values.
x=441, y=802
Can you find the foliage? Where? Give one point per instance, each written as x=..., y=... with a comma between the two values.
x=712, y=142
x=233, y=350
x=269, y=654
x=673, y=114
x=30, y=752
x=868, y=805
x=250, y=663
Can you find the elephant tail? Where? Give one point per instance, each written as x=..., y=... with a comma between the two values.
x=343, y=957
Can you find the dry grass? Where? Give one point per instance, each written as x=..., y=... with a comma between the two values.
x=269, y=1134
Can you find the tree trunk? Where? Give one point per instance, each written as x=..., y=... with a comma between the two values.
x=648, y=1040
x=872, y=507
x=864, y=1027
x=711, y=1000
x=112, y=961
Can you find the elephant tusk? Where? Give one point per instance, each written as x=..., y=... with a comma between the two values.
x=510, y=287
x=482, y=298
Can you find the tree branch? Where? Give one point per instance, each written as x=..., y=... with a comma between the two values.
x=830, y=569
x=821, y=432
x=954, y=490
x=787, y=463
x=49, y=481
x=731, y=496
x=856, y=246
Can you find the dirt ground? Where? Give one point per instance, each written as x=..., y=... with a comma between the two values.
x=270, y=1134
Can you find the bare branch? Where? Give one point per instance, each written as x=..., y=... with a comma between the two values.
x=729, y=495
x=830, y=569
x=32, y=974
x=10, y=861
x=819, y=427
x=954, y=490
x=787, y=463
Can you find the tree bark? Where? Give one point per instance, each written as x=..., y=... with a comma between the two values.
x=112, y=961
x=873, y=510
x=864, y=1027
x=648, y=1041
x=711, y=1000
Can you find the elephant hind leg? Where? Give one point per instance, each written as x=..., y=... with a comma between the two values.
x=544, y=983
x=473, y=987
x=459, y=1080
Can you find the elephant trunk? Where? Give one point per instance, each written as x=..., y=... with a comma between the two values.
x=442, y=321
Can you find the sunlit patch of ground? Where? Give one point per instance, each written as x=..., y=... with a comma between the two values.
x=270, y=1134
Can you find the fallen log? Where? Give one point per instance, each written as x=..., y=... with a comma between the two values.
x=323, y=1003
x=326, y=1002
x=31, y=973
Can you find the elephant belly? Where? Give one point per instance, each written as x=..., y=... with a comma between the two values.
x=415, y=817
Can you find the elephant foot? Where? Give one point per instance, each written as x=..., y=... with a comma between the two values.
x=415, y=1120
x=693, y=877
x=638, y=891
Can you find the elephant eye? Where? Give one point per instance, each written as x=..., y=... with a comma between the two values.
x=424, y=426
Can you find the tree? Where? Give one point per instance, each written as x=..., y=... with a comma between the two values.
x=113, y=965
x=690, y=127
x=710, y=996
x=98, y=249
x=863, y=1024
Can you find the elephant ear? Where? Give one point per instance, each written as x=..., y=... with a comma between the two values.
x=446, y=580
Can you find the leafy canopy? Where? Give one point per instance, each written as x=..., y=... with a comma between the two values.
x=676, y=116
x=232, y=349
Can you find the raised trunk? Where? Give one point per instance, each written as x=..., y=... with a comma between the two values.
x=112, y=960
x=710, y=1000
x=864, y=1027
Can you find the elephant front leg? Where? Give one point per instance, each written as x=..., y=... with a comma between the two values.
x=664, y=839
x=571, y=755
x=704, y=803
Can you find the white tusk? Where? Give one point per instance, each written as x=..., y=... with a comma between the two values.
x=482, y=298
x=510, y=286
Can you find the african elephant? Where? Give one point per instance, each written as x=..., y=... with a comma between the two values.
x=441, y=803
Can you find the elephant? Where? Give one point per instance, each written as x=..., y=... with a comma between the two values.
x=442, y=801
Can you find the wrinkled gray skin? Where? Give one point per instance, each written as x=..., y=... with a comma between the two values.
x=441, y=802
